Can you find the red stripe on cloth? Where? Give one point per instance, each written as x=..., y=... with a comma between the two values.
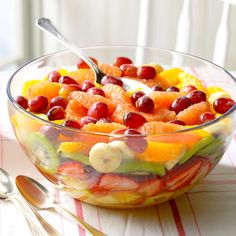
x=177, y=218
x=193, y=213
x=79, y=213
x=159, y=219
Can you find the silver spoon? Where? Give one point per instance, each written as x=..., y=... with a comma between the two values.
x=38, y=196
x=46, y=25
x=8, y=191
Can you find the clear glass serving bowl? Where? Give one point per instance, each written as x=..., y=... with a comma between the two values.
x=134, y=182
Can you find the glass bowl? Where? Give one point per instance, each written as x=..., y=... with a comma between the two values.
x=63, y=154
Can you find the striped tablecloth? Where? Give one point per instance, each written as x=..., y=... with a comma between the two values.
x=208, y=209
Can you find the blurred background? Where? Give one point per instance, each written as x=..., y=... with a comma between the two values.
x=205, y=28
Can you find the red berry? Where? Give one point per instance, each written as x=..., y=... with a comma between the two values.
x=206, y=117
x=146, y=72
x=54, y=76
x=188, y=88
x=222, y=105
x=66, y=90
x=180, y=104
x=135, y=141
x=98, y=110
x=96, y=91
x=67, y=80
x=22, y=101
x=87, y=84
x=38, y=104
x=118, y=61
x=133, y=120
x=56, y=113
x=177, y=122
x=107, y=79
x=145, y=104
x=129, y=70
x=86, y=120
x=71, y=123
x=135, y=96
x=81, y=64
x=105, y=120
x=157, y=88
x=197, y=96
x=172, y=89
x=58, y=101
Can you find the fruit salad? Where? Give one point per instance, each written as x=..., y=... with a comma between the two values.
x=122, y=149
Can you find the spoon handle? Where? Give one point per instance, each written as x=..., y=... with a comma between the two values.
x=83, y=224
x=46, y=25
x=32, y=213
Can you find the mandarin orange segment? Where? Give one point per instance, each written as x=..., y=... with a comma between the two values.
x=169, y=77
x=163, y=99
x=157, y=127
x=81, y=75
x=75, y=111
x=45, y=88
x=191, y=115
x=164, y=115
x=71, y=147
x=88, y=100
x=116, y=94
x=103, y=127
x=111, y=70
x=162, y=152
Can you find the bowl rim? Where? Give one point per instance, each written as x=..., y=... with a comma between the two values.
x=59, y=126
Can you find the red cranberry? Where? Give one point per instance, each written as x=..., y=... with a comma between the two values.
x=67, y=80
x=81, y=64
x=172, y=89
x=107, y=79
x=129, y=70
x=135, y=96
x=157, y=88
x=118, y=61
x=145, y=104
x=87, y=84
x=96, y=91
x=22, y=101
x=188, y=88
x=135, y=141
x=133, y=120
x=56, y=113
x=38, y=104
x=54, y=76
x=146, y=72
x=58, y=101
x=197, y=96
x=86, y=120
x=98, y=110
x=177, y=122
x=206, y=117
x=180, y=104
x=71, y=123
x=222, y=105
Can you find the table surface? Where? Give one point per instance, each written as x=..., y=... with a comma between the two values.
x=208, y=209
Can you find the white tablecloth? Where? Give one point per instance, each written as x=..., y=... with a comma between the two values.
x=208, y=209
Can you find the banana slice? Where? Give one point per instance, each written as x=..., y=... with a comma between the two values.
x=104, y=158
x=127, y=153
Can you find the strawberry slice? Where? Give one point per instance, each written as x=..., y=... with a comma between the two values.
x=116, y=183
x=151, y=187
x=203, y=171
x=181, y=175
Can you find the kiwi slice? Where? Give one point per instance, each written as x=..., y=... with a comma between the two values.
x=42, y=150
x=210, y=148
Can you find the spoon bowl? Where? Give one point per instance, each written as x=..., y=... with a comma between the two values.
x=38, y=196
x=46, y=25
x=7, y=188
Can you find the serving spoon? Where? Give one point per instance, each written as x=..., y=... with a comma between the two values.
x=8, y=191
x=46, y=25
x=38, y=196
